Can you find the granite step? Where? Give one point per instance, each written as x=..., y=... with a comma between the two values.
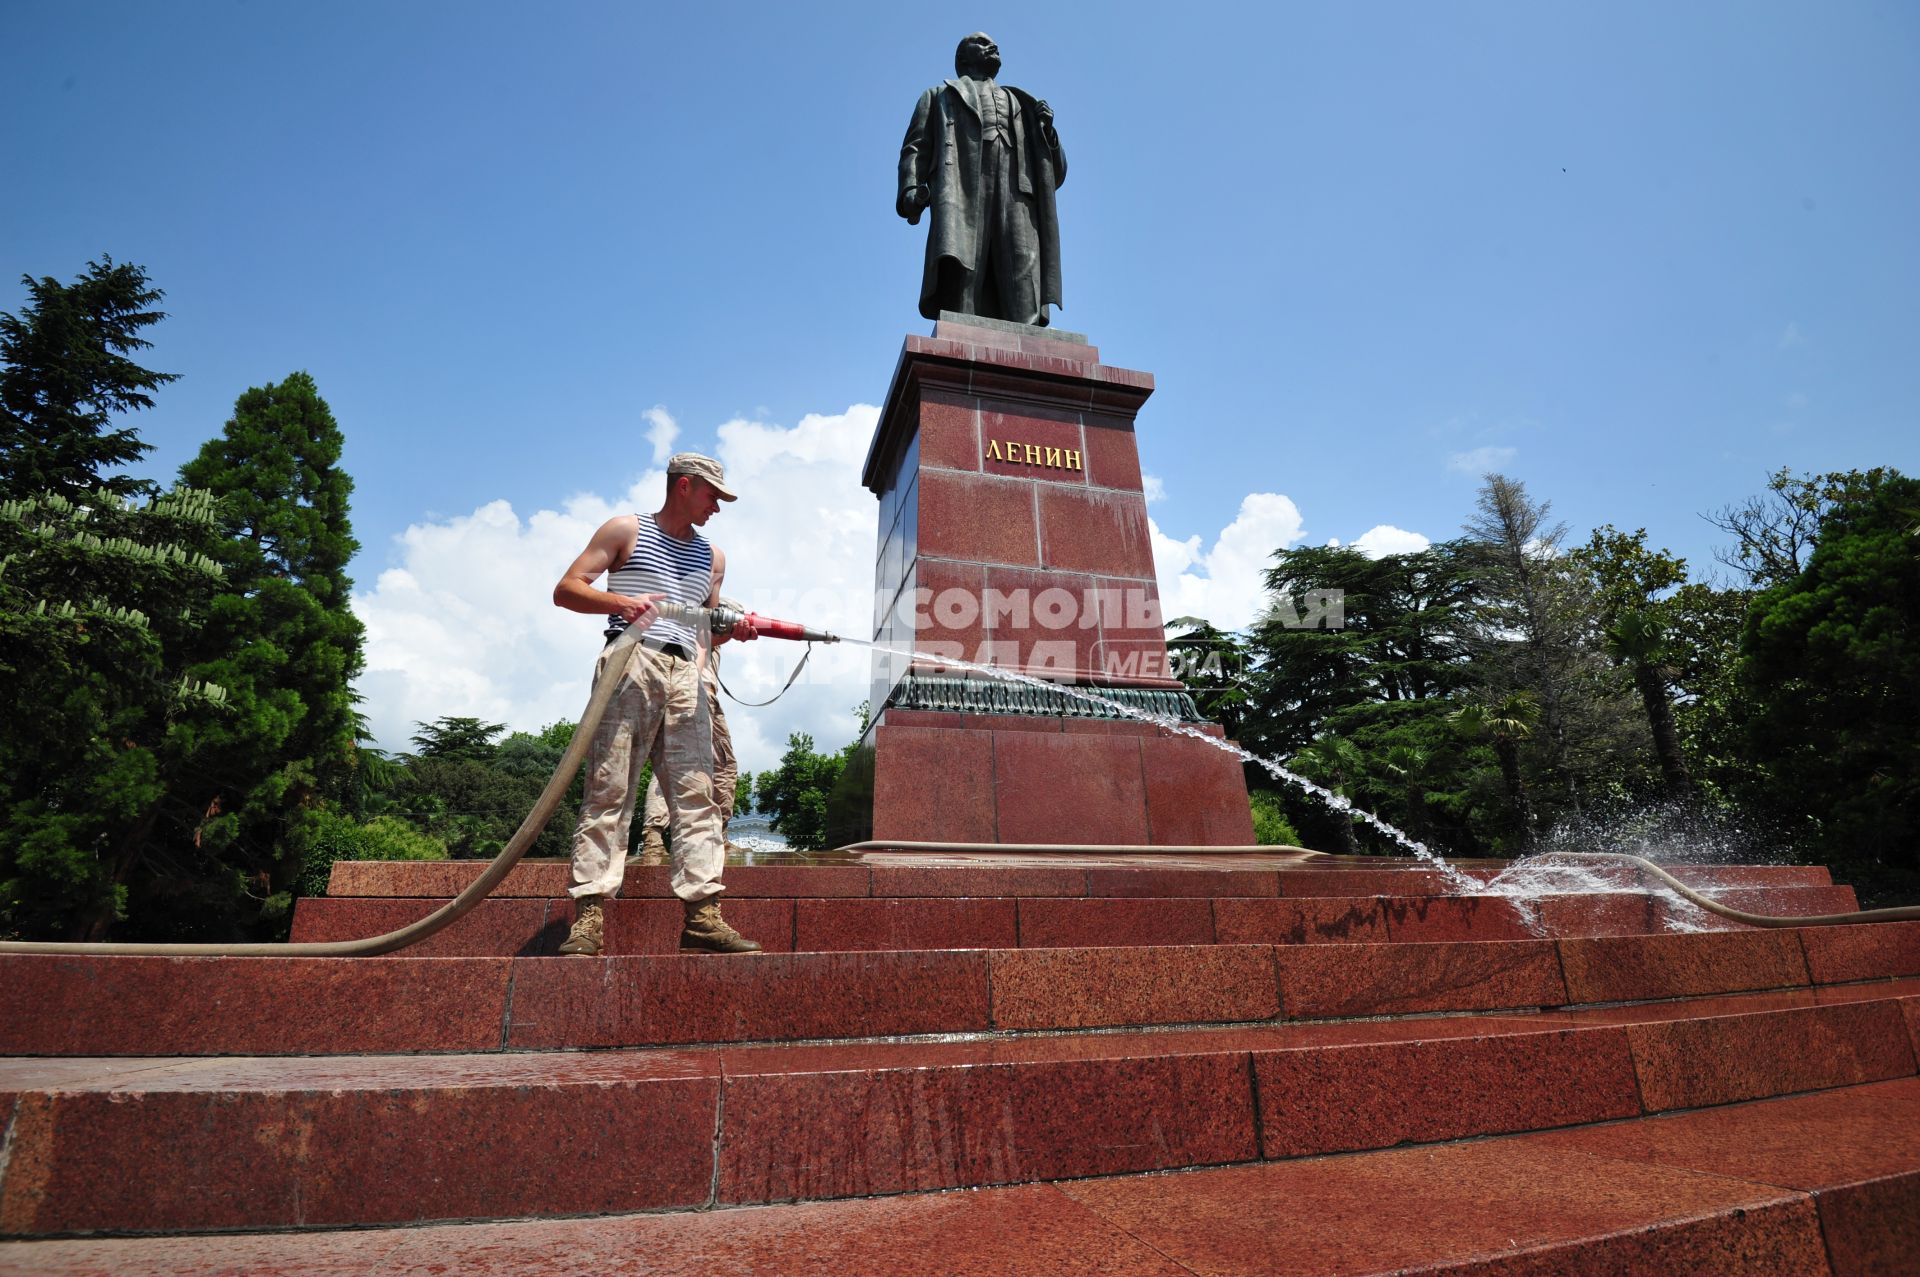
x=530, y=926
x=1086, y=874
x=1820, y=1183
x=173, y=1145
x=120, y=1006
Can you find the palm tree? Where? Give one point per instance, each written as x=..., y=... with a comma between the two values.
x=1504, y=726
x=1336, y=763
x=1408, y=765
x=1638, y=640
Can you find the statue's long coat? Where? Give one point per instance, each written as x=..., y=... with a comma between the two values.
x=942, y=152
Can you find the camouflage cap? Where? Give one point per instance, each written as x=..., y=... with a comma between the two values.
x=702, y=468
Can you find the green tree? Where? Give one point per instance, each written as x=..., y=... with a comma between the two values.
x=285, y=643
x=1629, y=584
x=795, y=792
x=65, y=373
x=530, y=758
x=1774, y=532
x=451, y=737
x=1704, y=624
x=1381, y=680
x=1504, y=726
x=1271, y=828
x=1833, y=664
x=1538, y=633
x=337, y=837
x=1408, y=766
x=1400, y=641
x=471, y=795
x=1212, y=663
x=99, y=601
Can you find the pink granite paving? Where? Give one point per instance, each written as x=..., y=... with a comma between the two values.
x=574, y=1002
x=1374, y=1095
x=1622, y=968
x=1857, y=1150
x=75, y=1005
x=787, y=1136
x=1086, y=988
x=1493, y=1207
x=1320, y=981
x=253, y=1143
x=1024, y=1231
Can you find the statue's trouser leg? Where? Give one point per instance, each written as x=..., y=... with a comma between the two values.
x=983, y=284
x=1006, y=280
x=1017, y=259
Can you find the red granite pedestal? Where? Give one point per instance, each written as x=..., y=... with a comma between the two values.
x=1013, y=533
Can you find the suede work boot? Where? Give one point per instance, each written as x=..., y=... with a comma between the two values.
x=653, y=848
x=708, y=933
x=589, y=927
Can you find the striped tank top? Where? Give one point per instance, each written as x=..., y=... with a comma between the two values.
x=659, y=564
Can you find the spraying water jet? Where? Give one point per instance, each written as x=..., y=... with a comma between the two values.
x=1515, y=889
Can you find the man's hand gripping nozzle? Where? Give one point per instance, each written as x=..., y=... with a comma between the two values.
x=721, y=620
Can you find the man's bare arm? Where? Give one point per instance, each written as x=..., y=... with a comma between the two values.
x=742, y=631
x=608, y=549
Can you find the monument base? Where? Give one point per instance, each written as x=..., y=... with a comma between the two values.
x=1013, y=533
x=1004, y=778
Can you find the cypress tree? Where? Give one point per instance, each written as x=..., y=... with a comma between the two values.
x=282, y=640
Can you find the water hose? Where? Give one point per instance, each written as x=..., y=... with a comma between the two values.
x=1904, y=913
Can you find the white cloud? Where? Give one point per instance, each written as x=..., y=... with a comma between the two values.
x=1481, y=460
x=1790, y=336
x=464, y=626
x=463, y=623
x=1224, y=584
x=1154, y=488
x=1384, y=539
x=662, y=430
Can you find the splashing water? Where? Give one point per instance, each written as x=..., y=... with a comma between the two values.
x=1668, y=832
x=1663, y=832
x=1535, y=877
x=1461, y=883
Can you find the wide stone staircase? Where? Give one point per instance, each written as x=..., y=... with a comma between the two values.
x=1219, y=1065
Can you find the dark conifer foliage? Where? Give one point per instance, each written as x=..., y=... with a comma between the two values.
x=67, y=373
x=284, y=643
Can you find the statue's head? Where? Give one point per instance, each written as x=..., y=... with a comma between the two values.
x=977, y=55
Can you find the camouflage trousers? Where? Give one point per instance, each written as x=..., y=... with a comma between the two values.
x=726, y=768
x=660, y=713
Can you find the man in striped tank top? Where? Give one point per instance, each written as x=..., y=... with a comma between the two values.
x=661, y=710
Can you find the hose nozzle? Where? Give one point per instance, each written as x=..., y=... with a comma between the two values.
x=721, y=620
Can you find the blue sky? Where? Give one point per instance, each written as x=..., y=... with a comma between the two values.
x=1637, y=255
